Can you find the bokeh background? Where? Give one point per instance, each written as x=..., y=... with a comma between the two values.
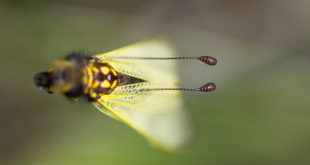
x=259, y=114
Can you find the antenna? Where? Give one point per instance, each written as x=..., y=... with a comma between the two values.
x=205, y=88
x=206, y=59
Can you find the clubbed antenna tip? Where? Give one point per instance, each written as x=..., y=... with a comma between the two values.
x=208, y=60
x=207, y=87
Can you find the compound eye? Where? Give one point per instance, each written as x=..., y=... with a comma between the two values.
x=43, y=79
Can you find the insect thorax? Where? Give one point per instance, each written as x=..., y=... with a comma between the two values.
x=99, y=79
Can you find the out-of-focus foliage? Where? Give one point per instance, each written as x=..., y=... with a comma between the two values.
x=259, y=113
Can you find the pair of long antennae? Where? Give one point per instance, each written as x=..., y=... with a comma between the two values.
x=206, y=59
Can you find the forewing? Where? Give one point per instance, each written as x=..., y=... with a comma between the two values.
x=160, y=117
x=158, y=72
x=157, y=115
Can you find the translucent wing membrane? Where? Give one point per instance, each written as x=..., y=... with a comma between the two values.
x=129, y=94
x=162, y=120
x=157, y=115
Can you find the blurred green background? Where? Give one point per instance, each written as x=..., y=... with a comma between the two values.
x=259, y=113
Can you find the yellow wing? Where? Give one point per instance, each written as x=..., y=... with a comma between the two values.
x=158, y=115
